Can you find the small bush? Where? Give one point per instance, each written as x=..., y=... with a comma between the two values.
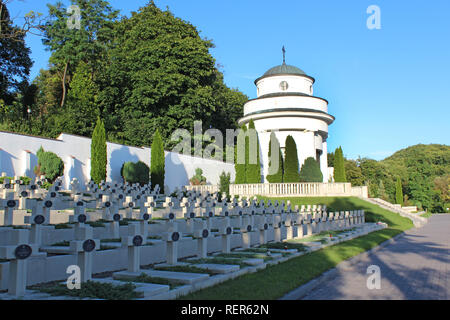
x=198, y=179
x=49, y=164
x=135, y=172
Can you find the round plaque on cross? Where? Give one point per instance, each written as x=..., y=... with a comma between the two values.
x=210, y=214
x=39, y=219
x=226, y=213
x=33, y=187
x=11, y=203
x=229, y=230
x=89, y=245
x=23, y=251
x=138, y=240
x=240, y=213
x=53, y=194
x=205, y=233
x=145, y=216
x=175, y=236
x=24, y=194
x=171, y=216
x=48, y=204
x=7, y=186
x=80, y=203
x=138, y=197
x=56, y=188
x=107, y=204
x=130, y=204
x=82, y=218
x=249, y=228
x=116, y=217
x=266, y=226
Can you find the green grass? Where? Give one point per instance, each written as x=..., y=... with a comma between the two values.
x=62, y=226
x=91, y=289
x=277, y=280
x=247, y=255
x=95, y=224
x=284, y=245
x=217, y=260
x=426, y=214
x=111, y=240
x=64, y=243
x=188, y=269
x=143, y=278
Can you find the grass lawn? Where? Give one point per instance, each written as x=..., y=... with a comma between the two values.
x=277, y=280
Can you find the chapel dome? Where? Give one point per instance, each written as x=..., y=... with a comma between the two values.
x=284, y=69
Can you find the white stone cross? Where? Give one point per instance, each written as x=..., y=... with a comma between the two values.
x=8, y=205
x=172, y=236
x=226, y=231
x=201, y=232
x=17, y=254
x=133, y=243
x=84, y=246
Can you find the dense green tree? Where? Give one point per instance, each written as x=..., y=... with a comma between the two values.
x=15, y=62
x=276, y=177
x=291, y=169
x=70, y=46
x=240, y=166
x=158, y=162
x=339, y=166
x=353, y=173
x=98, y=152
x=161, y=75
x=398, y=192
x=253, y=171
x=310, y=171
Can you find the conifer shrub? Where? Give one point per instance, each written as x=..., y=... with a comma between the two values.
x=157, y=163
x=310, y=171
x=49, y=164
x=135, y=172
x=291, y=170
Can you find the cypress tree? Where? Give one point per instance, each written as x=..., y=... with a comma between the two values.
x=253, y=171
x=310, y=171
x=98, y=152
x=291, y=172
x=278, y=176
x=398, y=192
x=157, y=163
x=240, y=168
x=339, y=169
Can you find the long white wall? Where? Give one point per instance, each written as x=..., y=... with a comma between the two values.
x=18, y=157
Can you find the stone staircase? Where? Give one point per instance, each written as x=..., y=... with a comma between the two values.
x=416, y=219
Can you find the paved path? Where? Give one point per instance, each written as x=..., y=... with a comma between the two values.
x=415, y=266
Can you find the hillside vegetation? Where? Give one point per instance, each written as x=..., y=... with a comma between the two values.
x=424, y=171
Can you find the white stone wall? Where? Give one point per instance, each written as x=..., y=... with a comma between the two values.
x=18, y=157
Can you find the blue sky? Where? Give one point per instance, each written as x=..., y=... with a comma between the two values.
x=388, y=88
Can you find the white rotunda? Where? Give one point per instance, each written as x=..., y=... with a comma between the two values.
x=285, y=104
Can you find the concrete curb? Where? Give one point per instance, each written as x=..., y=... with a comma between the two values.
x=303, y=290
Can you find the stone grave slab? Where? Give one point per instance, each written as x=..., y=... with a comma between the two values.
x=218, y=268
